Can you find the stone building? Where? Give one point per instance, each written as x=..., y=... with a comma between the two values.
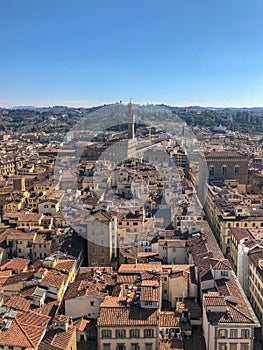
x=227, y=165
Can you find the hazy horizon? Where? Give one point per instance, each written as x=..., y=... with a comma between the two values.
x=101, y=103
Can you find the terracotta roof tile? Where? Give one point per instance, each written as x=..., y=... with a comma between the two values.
x=137, y=268
x=65, y=265
x=129, y=278
x=18, y=302
x=175, y=344
x=26, y=330
x=54, y=279
x=24, y=276
x=15, y=264
x=240, y=233
x=220, y=264
x=169, y=319
x=149, y=293
x=59, y=339
x=232, y=315
x=112, y=313
x=49, y=308
x=207, y=255
x=81, y=324
x=95, y=288
x=214, y=300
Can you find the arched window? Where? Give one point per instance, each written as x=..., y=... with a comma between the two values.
x=224, y=170
x=211, y=170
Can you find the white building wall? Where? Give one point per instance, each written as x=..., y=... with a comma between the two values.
x=207, y=284
x=173, y=255
x=162, y=252
x=243, y=266
x=178, y=256
x=114, y=236
x=218, y=275
x=155, y=247
x=177, y=288
x=192, y=290
x=52, y=292
x=81, y=306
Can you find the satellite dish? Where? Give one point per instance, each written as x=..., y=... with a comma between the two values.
x=260, y=264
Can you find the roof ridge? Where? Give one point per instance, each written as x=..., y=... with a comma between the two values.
x=26, y=335
x=35, y=313
x=223, y=261
x=54, y=337
x=242, y=313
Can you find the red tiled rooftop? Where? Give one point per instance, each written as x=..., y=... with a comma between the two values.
x=54, y=279
x=140, y=267
x=15, y=264
x=64, y=265
x=126, y=316
x=149, y=293
x=18, y=303
x=240, y=233
x=174, y=344
x=58, y=339
x=220, y=264
x=214, y=300
x=26, y=330
x=169, y=319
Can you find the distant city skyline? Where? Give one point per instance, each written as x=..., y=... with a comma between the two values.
x=94, y=52
x=88, y=104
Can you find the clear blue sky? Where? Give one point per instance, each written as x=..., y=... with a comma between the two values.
x=83, y=52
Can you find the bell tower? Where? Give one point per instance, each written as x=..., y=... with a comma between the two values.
x=130, y=121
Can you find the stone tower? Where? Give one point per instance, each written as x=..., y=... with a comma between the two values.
x=130, y=121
